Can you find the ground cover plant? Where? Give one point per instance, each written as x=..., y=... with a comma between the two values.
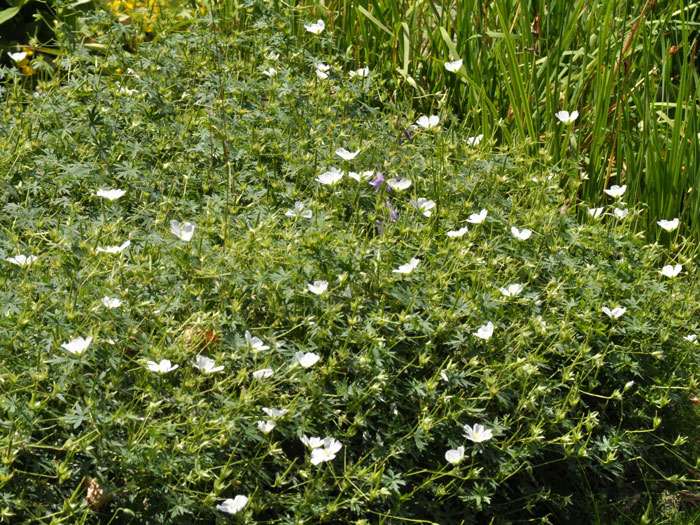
x=241, y=283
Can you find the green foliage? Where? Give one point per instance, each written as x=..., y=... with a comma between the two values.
x=587, y=412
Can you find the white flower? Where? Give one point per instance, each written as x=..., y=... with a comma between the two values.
x=399, y=184
x=671, y=271
x=512, y=290
x=359, y=177
x=299, y=211
x=615, y=312
x=457, y=233
x=312, y=442
x=126, y=91
x=275, y=413
x=307, y=359
x=272, y=56
x=163, y=367
x=616, y=191
x=231, y=506
x=521, y=235
x=453, y=67
x=111, y=303
x=22, y=260
x=78, y=345
x=476, y=218
x=566, y=117
x=316, y=28
x=669, y=226
x=270, y=72
x=408, y=267
x=691, y=338
x=255, y=343
x=263, y=373
x=17, y=57
x=318, y=287
x=183, y=231
x=331, y=177
x=206, y=365
x=478, y=433
x=266, y=426
x=327, y=452
x=362, y=72
x=111, y=194
x=620, y=213
x=115, y=249
x=595, y=212
x=428, y=122
x=455, y=455
x=345, y=154
x=475, y=141
x=424, y=205
x=485, y=331
x=444, y=377
x=322, y=71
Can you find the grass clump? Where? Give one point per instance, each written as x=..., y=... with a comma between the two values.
x=374, y=350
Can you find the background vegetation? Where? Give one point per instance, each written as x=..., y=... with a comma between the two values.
x=219, y=117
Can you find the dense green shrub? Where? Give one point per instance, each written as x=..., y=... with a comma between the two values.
x=588, y=413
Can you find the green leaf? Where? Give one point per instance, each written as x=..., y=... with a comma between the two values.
x=8, y=14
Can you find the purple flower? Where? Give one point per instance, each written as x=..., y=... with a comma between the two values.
x=377, y=183
x=393, y=216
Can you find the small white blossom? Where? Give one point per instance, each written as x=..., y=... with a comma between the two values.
x=521, y=235
x=17, y=57
x=263, y=373
x=485, y=331
x=322, y=71
x=512, y=290
x=271, y=72
x=478, y=433
x=275, y=413
x=475, y=141
x=408, y=267
x=425, y=206
x=108, y=302
x=476, y=218
x=428, y=122
x=316, y=28
x=359, y=177
x=232, y=506
x=182, y=231
x=299, y=211
x=22, y=260
x=669, y=226
x=318, y=287
x=616, y=191
x=111, y=194
x=331, y=177
x=115, y=249
x=453, y=67
x=399, y=184
x=255, y=343
x=615, y=313
x=362, y=72
x=566, y=117
x=457, y=233
x=691, y=338
x=455, y=455
x=78, y=345
x=207, y=365
x=163, y=367
x=307, y=359
x=670, y=270
x=266, y=426
x=620, y=213
x=312, y=442
x=327, y=452
x=345, y=154
x=595, y=212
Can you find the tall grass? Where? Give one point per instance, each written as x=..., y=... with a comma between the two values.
x=629, y=68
